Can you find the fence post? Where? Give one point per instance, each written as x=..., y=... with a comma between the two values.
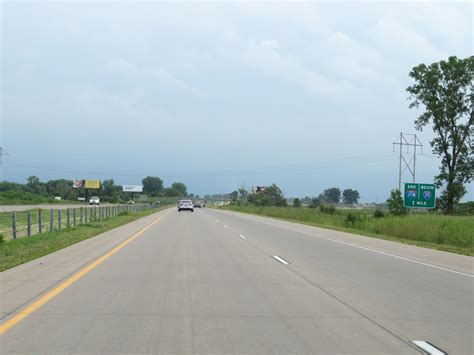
x=59, y=220
x=68, y=218
x=81, y=219
x=74, y=216
x=51, y=220
x=29, y=224
x=40, y=221
x=14, y=225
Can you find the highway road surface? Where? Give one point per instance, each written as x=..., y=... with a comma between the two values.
x=217, y=282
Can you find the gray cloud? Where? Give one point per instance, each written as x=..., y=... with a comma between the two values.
x=244, y=84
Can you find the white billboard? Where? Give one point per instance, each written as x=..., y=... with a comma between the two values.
x=132, y=188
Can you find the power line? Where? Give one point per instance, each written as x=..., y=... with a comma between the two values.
x=348, y=161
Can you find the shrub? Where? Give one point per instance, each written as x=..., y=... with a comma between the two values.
x=315, y=202
x=327, y=209
x=352, y=218
x=465, y=209
x=395, y=203
x=296, y=202
x=379, y=213
x=2, y=238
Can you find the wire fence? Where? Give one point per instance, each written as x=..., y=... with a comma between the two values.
x=14, y=225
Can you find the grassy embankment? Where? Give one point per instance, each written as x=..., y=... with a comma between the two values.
x=19, y=251
x=449, y=233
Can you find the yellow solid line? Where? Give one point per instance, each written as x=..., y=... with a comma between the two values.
x=68, y=282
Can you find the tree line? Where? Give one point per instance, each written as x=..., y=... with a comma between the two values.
x=273, y=196
x=37, y=191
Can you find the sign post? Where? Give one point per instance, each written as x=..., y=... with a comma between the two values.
x=132, y=189
x=86, y=185
x=419, y=196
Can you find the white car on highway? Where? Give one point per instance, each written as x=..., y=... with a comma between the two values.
x=185, y=205
x=94, y=200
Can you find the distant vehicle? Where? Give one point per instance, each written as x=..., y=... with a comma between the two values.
x=185, y=205
x=197, y=204
x=94, y=200
x=131, y=202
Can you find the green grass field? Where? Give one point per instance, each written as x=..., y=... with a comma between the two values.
x=19, y=251
x=22, y=220
x=449, y=233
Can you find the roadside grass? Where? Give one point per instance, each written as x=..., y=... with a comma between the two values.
x=449, y=233
x=19, y=251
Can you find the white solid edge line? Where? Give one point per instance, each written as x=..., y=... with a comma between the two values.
x=430, y=349
x=375, y=251
x=395, y=256
x=241, y=236
x=281, y=260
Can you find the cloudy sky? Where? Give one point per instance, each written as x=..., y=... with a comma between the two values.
x=220, y=95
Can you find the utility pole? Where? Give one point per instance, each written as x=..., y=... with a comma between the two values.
x=407, y=158
x=3, y=152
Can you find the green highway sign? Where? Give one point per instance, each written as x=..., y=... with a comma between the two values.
x=419, y=196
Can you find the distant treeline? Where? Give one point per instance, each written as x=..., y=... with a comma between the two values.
x=36, y=191
x=273, y=196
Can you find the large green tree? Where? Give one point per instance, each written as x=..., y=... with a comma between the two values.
x=110, y=191
x=350, y=196
x=35, y=185
x=152, y=185
x=446, y=90
x=170, y=192
x=332, y=195
x=272, y=196
x=234, y=195
x=180, y=188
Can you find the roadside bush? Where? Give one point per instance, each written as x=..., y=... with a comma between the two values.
x=327, y=209
x=315, y=203
x=379, y=213
x=2, y=238
x=465, y=209
x=297, y=202
x=352, y=218
x=395, y=203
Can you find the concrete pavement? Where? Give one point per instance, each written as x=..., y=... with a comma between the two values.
x=208, y=282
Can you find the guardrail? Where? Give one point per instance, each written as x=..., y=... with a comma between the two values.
x=14, y=225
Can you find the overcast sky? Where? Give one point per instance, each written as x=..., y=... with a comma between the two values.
x=220, y=95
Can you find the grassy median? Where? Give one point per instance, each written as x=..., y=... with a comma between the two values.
x=19, y=251
x=449, y=233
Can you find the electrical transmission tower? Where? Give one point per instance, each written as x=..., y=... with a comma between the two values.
x=407, y=158
x=3, y=152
